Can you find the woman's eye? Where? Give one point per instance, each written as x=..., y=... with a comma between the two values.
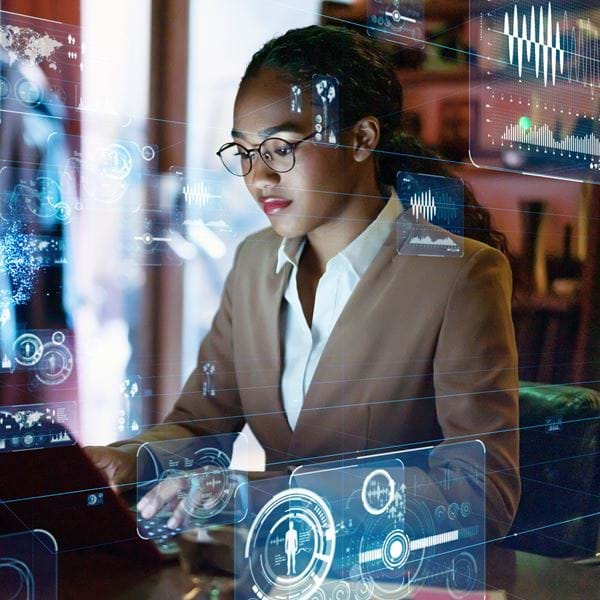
x=284, y=151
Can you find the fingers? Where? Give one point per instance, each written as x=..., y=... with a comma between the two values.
x=198, y=497
x=104, y=460
x=164, y=495
x=118, y=466
x=99, y=455
x=179, y=516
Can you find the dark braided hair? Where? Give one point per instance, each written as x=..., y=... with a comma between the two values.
x=368, y=86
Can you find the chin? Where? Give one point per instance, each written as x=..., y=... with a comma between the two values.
x=288, y=228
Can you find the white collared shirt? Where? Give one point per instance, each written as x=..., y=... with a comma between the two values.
x=304, y=345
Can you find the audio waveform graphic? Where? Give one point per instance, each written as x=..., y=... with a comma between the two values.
x=544, y=136
x=546, y=44
x=553, y=46
x=423, y=204
x=378, y=493
x=198, y=194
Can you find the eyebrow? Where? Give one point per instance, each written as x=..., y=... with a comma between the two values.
x=287, y=126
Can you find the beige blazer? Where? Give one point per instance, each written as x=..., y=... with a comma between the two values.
x=423, y=352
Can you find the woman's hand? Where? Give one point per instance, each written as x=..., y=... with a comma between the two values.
x=118, y=466
x=187, y=494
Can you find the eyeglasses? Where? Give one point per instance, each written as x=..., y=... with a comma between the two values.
x=278, y=154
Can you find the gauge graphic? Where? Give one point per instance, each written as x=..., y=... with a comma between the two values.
x=116, y=162
x=378, y=492
x=56, y=363
x=28, y=349
x=39, y=199
x=341, y=591
x=97, y=188
x=290, y=546
x=57, y=93
x=148, y=153
x=5, y=88
x=63, y=211
x=17, y=579
x=394, y=560
x=28, y=92
x=211, y=486
x=462, y=579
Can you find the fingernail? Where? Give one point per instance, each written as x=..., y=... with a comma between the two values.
x=142, y=504
x=172, y=523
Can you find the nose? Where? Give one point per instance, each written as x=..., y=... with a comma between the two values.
x=261, y=177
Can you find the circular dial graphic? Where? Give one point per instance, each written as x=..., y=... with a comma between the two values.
x=56, y=364
x=462, y=579
x=29, y=93
x=378, y=492
x=116, y=162
x=211, y=485
x=290, y=546
x=5, y=87
x=28, y=349
x=388, y=560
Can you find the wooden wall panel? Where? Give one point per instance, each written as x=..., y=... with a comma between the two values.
x=66, y=11
x=168, y=107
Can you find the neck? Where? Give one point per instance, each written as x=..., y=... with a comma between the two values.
x=360, y=210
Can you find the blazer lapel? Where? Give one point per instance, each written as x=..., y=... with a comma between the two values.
x=332, y=418
x=261, y=395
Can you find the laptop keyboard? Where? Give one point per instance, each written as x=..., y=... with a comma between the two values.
x=156, y=529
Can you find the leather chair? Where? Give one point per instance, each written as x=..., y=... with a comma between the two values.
x=560, y=471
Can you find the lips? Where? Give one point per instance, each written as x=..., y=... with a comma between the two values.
x=272, y=206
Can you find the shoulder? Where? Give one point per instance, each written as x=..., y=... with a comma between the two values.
x=259, y=245
x=258, y=252
x=484, y=273
x=481, y=258
x=476, y=252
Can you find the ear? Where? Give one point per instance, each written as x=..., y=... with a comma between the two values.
x=366, y=135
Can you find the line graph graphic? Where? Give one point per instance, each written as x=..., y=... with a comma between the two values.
x=427, y=240
x=554, y=47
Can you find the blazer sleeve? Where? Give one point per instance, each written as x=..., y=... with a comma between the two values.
x=476, y=382
x=209, y=403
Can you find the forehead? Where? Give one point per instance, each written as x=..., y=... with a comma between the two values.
x=264, y=102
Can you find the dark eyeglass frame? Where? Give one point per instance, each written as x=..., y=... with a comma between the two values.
x=250, y=151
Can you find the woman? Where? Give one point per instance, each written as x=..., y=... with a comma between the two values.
x=327, y=340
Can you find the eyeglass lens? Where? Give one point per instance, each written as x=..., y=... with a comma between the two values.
x=276, y=153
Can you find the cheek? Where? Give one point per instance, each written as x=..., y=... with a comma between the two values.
x=319, y=184
x=322, y=170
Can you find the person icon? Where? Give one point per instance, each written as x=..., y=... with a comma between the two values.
x=291, y=548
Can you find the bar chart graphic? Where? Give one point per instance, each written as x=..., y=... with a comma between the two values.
x=544, y=136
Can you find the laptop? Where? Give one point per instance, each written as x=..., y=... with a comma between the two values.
x=61, y=491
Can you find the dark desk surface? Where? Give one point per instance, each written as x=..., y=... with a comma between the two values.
x=96, y=575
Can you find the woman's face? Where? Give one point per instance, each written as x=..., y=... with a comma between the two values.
x=318, y=189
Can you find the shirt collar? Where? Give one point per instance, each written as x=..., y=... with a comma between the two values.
x=360, y=252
